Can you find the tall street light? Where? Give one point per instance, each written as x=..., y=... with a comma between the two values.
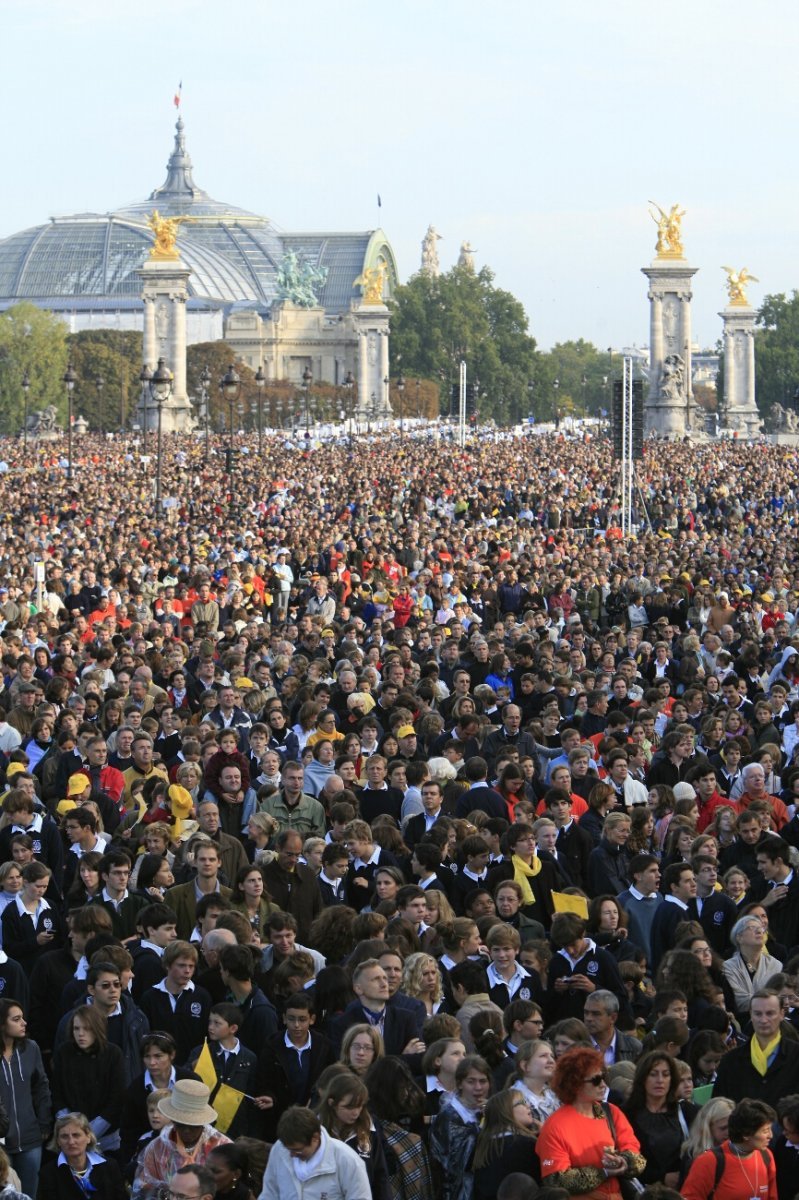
x=260, y=380
x=99, y=383
x=26, y=387
x=387, y=386
x=69, y=380
x=160, y=391
x=230, y=385
x=205, y=387
x=307, y=379
x=145, y=375
x=349, y=388
x=401, y=391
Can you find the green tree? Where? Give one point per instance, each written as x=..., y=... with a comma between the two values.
x=582, y=374
x=777, y=351
x=218, y=356
x=31, y=340
x=438, y=321
x=115, y=356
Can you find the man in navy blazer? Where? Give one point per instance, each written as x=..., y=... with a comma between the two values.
x=398, y=1026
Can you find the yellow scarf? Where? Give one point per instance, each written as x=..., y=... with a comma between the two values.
x=521, y=873
x=760, y=1057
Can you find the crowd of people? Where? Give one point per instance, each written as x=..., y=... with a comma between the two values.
x=375, y=819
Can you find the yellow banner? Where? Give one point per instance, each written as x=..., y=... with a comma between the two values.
x=204, y=1067
x=573, y=904
x=226, y=1102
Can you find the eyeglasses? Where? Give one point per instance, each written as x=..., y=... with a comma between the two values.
x=595, y=1080
x=111, y=986
x=168, y=1194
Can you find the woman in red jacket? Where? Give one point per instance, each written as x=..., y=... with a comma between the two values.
x=741, y=1166
x=587, y=1145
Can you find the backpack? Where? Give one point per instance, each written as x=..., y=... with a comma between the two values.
x=721, y=1161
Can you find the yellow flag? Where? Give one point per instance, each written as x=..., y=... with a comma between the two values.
x=204, y=1067
x=573, y=904
x=226, y=1102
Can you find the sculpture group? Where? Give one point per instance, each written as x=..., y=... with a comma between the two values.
x=670, y=409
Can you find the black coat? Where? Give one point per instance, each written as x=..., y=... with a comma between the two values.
x=88, y=1083
x=400, y=1026
x=188, y=1023
x=600, y=967
x=19, y=935
x=50, y=975
x=57, y=1183
x=274, y=1076
x=296, y=892
x=738, y=1080
x=608, y=870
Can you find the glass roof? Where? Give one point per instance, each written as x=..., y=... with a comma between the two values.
x=233, y=255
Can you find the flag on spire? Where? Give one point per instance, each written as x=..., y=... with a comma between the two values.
x=178, y=93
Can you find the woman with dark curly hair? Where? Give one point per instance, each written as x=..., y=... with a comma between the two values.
x=586, y=1146
x=685, y=972
x=331, y=933
x=659, y=1120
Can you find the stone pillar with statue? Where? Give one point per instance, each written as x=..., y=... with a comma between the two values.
x=739, y=414
x=668, y=408
x=164, y=294
x=371, y=323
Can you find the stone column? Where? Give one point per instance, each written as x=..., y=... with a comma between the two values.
x=740, y=414
x=371, y=326
x=164, y=294
x=667, y=408
x=149, y=346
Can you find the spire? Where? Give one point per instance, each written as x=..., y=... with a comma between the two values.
x=179, y=190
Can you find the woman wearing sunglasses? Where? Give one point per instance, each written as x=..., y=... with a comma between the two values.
x=587, y=1146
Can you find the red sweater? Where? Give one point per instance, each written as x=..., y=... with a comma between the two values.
x=742, y=1178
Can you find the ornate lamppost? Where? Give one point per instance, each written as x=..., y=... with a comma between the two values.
x=260, y=380
x=401, y=391
x=230, y=386
x=26, y=387
x=160, y=390
x=69, y=380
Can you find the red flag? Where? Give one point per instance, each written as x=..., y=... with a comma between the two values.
x=177, y=96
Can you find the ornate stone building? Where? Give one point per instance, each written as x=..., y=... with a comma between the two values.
x=285, y=301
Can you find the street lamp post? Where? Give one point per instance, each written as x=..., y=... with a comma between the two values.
x=387, y=386
x=585, y=395
x=69, y=380
x=307, y=378
x=418, y=402
x=349, y=386
x=205, y=386
x=260, y=380
x=555, y=388
x=230, y=384
x=26, y=387
x=160, y=391
x=145, y=376
x=99, y=383
x=401, y=392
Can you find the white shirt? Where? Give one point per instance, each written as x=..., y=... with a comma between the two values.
x=173, y=1000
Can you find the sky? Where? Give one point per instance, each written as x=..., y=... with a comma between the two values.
x=539, y=132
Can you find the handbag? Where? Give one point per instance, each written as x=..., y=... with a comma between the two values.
x=631, y=1189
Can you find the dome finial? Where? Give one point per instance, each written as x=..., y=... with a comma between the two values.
x=179, y=187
